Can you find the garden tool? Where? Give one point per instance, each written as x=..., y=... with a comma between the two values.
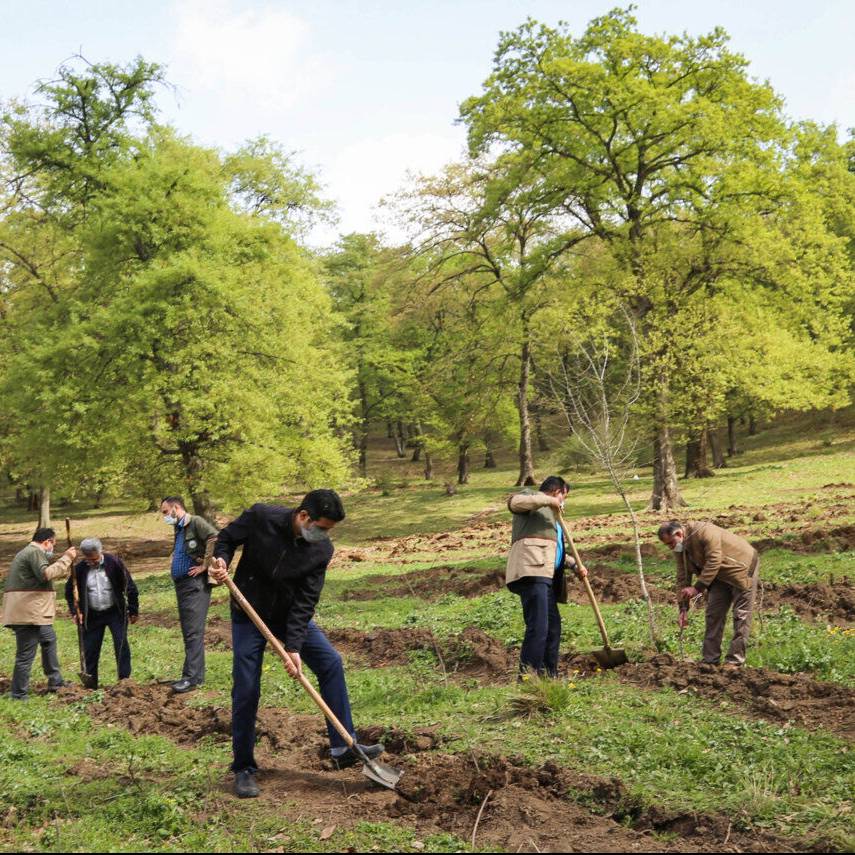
x=89, y=681
x=692, y=603
x=608, y=657
x=380, y=773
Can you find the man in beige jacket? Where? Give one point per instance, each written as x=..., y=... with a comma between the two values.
x=535, y=571
x=29, y=607
x=728, y=569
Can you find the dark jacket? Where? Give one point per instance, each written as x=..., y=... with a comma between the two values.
x=124, y=588
x=281, y=575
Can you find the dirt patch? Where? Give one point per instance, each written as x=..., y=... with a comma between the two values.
x=834, y=601
x=764, y=694
x=430, y=584
x=537, y=809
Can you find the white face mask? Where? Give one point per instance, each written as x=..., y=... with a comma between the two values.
x=678, y=546
x=170, y=520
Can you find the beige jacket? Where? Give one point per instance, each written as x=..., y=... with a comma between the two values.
x=533, y=539
x=714, y=553
x=34, y=607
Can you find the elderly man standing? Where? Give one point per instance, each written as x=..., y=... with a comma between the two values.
x=108, y=599
x=535, y=571
x=29, y=607
x=728, y=569
x=194, y=539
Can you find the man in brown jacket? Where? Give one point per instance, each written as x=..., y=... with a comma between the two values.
x=728, y=568
x=29, y=607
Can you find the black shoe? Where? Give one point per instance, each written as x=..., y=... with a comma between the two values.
x=245, y=786
x=55, y=687
x=343, y=761
x=183, y=686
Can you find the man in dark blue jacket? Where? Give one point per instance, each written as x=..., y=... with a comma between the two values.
x=281, y=572
x=108, y=599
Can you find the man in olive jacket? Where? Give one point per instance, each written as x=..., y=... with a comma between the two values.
x=29, y=607
x=193, y=542
x=535, y=571
x=728, y=569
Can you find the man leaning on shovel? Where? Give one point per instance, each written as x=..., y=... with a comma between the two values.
x=281, y=573
x=728, y=568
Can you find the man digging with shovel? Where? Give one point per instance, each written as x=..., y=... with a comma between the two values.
x=276, y=587
x=728, y=568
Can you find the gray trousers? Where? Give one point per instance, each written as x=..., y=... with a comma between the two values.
x=720, y=598
x=194, y=597
x=29, y=638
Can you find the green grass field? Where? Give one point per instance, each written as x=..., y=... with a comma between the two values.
x=72, y=782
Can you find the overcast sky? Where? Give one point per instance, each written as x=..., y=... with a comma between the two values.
x=368, y=90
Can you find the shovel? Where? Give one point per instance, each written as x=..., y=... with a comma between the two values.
x=380, y=773
x=89, y=681
x=608, y=657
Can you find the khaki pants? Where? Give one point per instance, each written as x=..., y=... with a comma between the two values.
x=720, y=598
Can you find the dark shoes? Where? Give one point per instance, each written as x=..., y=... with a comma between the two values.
x=343, y=761
x=245, y=786
x=55, y=687
x=183, y=686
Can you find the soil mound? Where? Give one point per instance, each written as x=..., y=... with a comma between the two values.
x=430, y=584
x=834, y=601
x=477, y=654
x=537, y=809
x=764, y=694
x=381, y=647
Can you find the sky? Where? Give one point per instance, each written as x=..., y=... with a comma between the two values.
x=365, y=91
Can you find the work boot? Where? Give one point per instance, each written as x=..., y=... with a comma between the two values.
x=245, y=786
x=349, y=757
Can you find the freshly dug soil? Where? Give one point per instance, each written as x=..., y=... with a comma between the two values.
x=834, y=601
x=763, y=694
x=429, y=584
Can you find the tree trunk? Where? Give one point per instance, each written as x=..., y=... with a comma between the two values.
x=463, y=463
x=752, y=425
x=418, y=442
x=526, y=476
x=32, y=499
x=363, y=454
x=44, y=507
x=489, y=459
x=731, y=436
x=400, y=441
x=201, y=501
x=363, y=430
x=390, y=431
x=428, y=466
x=693, y=447
x=666, y=491
x=718, y=460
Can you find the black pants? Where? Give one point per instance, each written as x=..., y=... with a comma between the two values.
x=93, y=637
x=542, y=624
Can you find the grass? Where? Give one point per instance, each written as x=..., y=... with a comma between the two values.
x=71, y=784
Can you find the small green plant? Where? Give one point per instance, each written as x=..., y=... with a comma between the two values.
x=541, y=695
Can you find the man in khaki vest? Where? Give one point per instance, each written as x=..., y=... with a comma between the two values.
x=29, y=607
x=535, y=571
x=727, y=568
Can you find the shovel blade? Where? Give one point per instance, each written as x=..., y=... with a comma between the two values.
x=380, y=773
x=609, y=657
x=88, y=680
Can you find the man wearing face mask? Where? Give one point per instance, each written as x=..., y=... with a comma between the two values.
x=194, y=539
x=29, y=607
x=282, y=572
x=728, y=569
x=108, y=599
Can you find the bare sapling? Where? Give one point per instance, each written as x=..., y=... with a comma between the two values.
x=596, y=385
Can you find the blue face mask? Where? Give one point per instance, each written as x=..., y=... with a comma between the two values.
x=170, y=520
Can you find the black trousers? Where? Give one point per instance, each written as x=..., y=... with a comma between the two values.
x=93, y=637
x=542, y=624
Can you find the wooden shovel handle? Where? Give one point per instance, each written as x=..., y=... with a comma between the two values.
x=274, y=642
x=585, y=582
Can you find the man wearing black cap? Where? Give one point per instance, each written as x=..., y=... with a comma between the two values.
x=281, y=572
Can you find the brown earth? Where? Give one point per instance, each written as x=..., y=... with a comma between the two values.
x=834, y=601
x=763, y=694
